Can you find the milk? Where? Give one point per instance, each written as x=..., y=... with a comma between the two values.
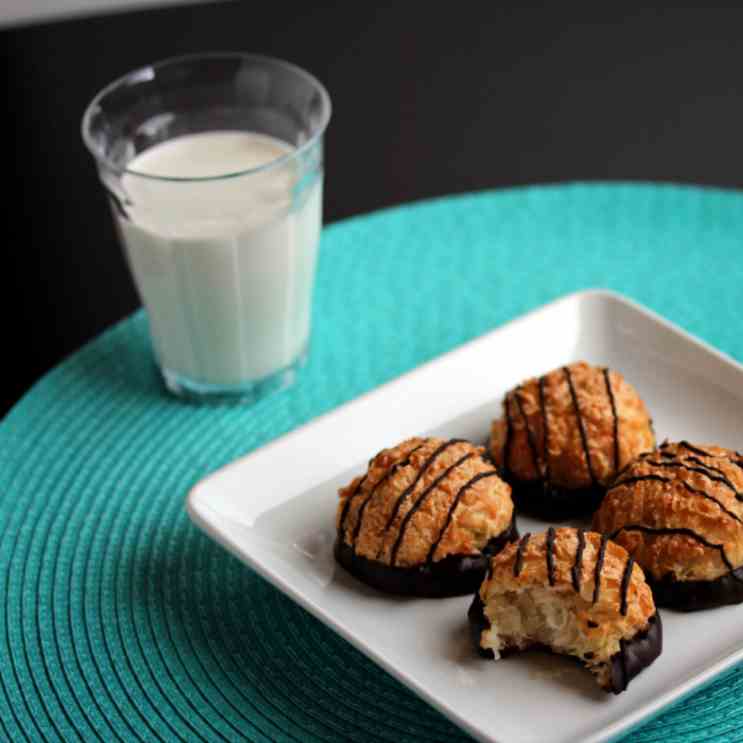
x=224, y=267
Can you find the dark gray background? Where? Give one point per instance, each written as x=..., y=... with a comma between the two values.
x=428, y=100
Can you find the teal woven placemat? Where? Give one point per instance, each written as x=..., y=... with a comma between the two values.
x=119, y=621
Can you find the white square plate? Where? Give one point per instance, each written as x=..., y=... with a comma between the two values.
x=275, y=509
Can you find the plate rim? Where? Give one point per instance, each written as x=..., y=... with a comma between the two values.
x=198, y=513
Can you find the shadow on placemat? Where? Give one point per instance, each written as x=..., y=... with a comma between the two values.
x=227, y=649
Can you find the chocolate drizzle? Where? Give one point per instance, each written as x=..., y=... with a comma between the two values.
x=529, y=436
x=720, y=476
x=540, y=496
x=450, y=514
x=703, y=494
x=735, y=461
x=717, y=470
x=703, y=470
x=411, y=488
x=706, y=466
x=423, y=497
x=624, y=589
x=599, y=568
x=550, y=554
x=689, y=488
x=454, y=574
x=385, y=477
x=577, y=569
x=546, y=434
x=691, y=595
x=509, y=436
x=668, y=530
x=640, y=478
x=581, y=428
x=610, y=392
x=347, y=504
x=690, y=447
x=519, y=561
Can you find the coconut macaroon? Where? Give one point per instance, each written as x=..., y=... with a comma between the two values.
x=424, y=518
x=679, y=512
x=572, y=592
x=564, y=436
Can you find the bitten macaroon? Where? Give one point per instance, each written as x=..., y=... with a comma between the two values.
x=572, y=592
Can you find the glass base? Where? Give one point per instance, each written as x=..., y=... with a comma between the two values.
x=243, y=393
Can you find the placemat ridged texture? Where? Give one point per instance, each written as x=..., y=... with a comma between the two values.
x=120, y=621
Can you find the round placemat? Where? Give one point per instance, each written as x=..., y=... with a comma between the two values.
x=120, y=621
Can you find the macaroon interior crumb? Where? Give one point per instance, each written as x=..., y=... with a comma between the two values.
x=560, y=621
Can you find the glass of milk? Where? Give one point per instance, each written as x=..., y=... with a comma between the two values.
x=213, y=167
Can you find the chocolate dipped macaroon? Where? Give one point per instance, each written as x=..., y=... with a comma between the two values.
x=572, y=592
x=679, y=511
x=424, y=518
x=564, y=436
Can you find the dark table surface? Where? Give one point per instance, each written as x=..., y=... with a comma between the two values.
x=428, y=100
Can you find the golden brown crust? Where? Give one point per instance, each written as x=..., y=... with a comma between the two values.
x=442, y=494
x=696, y=489
x=601, y=615
x=556, y=452
x=602, y=607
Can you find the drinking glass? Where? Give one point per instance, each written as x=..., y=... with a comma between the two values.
x=221, y=240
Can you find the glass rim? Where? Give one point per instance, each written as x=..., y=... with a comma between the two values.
x=169, y=61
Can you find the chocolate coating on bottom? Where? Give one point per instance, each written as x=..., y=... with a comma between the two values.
x=454, y=575
x=478, y=622
x=552, y=503
x=693, y=595
x=634, y=655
